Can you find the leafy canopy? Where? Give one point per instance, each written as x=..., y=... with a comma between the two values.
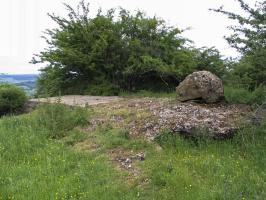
x=249, y=38
x=118, y=49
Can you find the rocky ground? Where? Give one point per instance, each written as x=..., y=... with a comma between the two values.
x=149, y=116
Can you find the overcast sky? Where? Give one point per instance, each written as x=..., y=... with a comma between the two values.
x=22, y=23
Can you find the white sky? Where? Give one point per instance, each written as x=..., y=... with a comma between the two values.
x=22, y=23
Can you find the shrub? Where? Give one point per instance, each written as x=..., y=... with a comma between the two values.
x=12, y=98
x=104, y=89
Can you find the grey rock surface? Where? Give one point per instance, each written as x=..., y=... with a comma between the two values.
x=201, y=85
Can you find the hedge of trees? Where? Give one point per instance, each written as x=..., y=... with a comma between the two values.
x=115, y=51
x=249, y=38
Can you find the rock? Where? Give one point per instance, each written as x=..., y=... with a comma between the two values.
x=140, y=156
x=201, y=85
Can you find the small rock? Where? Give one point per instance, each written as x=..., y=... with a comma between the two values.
x=128, y=160
x=140, y=156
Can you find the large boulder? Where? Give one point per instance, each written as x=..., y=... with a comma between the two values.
x=201, y=85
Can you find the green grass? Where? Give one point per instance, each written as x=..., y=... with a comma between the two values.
x=232, y=169
x=236, y=94
x=34, y=166
x=244, y=96
x=38, y=161
x=204, y=169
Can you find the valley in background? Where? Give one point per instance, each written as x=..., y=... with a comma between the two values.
x=25, y=81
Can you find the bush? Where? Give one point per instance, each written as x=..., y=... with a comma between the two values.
x=12, y=98
x=147, y=93
x=104, y=89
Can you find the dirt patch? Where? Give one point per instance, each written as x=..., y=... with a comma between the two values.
x=126, y=160
x=78, y=100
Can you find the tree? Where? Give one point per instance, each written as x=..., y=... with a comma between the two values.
x=117, y=50
x=249, y=38
x=211, y=60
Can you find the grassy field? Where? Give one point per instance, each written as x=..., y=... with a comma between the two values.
x=49, y=154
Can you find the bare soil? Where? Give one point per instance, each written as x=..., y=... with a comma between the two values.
x=78, y=100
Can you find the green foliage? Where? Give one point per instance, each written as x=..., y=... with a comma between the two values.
x=249, y=39
x=12, y=98
x=124, y=50
x=251, y=69
x=242, y=95
x=145, y=93
x=211, y=60
x=249, y=34
x=103, y=89
x=49, y=82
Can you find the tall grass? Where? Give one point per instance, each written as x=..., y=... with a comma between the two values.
x=242, y=95
x=59, y=118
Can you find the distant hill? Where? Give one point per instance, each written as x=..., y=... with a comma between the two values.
x=26, y=81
